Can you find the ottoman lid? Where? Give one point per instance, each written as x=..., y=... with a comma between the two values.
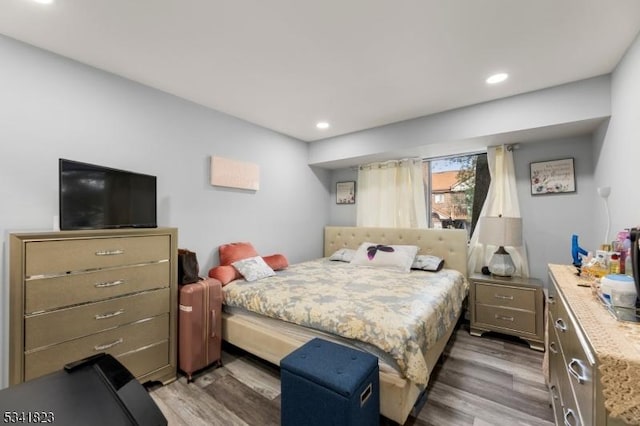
x=331, y=365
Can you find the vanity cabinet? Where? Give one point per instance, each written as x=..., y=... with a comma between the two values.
x=77, y=293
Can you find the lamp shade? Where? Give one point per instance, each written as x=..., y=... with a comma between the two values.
x=501, y=231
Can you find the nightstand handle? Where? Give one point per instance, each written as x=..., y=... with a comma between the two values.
x=500, y=317
x=500, y=296
x=552, y=347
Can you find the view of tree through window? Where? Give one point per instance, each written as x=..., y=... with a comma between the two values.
x=455, y=190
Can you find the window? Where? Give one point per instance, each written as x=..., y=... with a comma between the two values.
x=455, y=190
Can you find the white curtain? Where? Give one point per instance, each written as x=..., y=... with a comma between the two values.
x=391, y=194
x=502, y=199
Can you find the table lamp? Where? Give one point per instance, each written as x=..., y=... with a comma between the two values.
x=501, y=231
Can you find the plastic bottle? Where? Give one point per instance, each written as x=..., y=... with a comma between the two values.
x=628, y=265
x=614, y=263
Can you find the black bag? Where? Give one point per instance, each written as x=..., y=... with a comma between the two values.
x=187, y=267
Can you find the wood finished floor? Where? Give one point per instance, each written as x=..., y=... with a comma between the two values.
x=493, y=380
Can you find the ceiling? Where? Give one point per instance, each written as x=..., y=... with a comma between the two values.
x=357, y=64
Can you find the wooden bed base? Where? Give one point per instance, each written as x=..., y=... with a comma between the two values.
x=397, y=395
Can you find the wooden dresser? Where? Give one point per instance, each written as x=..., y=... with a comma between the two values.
x=77, y=293
x=593, y=359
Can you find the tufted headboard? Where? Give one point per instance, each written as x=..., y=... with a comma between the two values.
x=449, y=244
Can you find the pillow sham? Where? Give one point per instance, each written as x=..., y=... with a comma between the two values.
x=232, y=252
x=276, y=262
x=343, y=255
x=224, y=273
x=393, y=257
x=427, y=262
x=253, y=268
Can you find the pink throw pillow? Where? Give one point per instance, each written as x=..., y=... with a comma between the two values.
x=233, y=252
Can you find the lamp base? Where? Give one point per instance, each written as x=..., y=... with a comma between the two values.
x=501, y=263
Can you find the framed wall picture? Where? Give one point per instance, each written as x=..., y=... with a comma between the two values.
x=553, y=177
x=346, y=192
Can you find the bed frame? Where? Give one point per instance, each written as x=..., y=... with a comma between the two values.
x=397, y=395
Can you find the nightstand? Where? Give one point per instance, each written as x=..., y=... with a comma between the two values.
x=509, y=305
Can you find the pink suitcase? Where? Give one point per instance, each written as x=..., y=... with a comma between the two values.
x=199, y=325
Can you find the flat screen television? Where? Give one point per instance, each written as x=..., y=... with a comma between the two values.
x=97, y=197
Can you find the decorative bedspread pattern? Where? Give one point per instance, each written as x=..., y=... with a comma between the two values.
x=401, y=314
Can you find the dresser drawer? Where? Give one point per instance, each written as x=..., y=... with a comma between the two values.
x=505, y=296
x=147, y=359
x=62, y=256
x=50, y=293
x=71, y=323
x=116, y=341
x=578, y=363
x=511, y=319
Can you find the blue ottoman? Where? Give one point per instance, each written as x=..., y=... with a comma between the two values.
x=324, y=384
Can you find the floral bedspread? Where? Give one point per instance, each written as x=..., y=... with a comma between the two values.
x=400, y=314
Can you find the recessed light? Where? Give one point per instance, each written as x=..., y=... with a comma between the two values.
x=322, y=125
x=497, y=78
x=44, y=1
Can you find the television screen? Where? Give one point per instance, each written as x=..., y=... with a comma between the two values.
x=96, y=197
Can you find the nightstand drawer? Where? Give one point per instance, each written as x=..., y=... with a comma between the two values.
x=511, y=319
x=506, y=296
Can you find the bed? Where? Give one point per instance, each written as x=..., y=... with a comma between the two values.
x=403, y=375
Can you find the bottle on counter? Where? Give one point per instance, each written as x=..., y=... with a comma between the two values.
x=614, y=263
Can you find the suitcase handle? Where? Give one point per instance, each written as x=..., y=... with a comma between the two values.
x=213, y=323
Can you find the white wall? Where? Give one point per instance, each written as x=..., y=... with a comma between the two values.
x=617, y=147
x=342, y=214
x=51, y=107
x=550, y=220
x=469, y=128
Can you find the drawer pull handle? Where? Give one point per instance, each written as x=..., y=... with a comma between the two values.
x=568, y=413
x=554, y=392
x=110, y=314
x=503, y=318
x=109, y=283
x=551, y=300
x=108, y=345
x=560, y=325
x=503, y=297
x=580, y=378
x=552, y=347
x=109, y=252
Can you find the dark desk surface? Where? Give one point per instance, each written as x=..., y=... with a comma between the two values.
x=99, y=393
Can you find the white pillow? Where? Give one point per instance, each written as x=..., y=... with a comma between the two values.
x=343, y=255
x=428, y=262
x=396, y=258
x=253, y=268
